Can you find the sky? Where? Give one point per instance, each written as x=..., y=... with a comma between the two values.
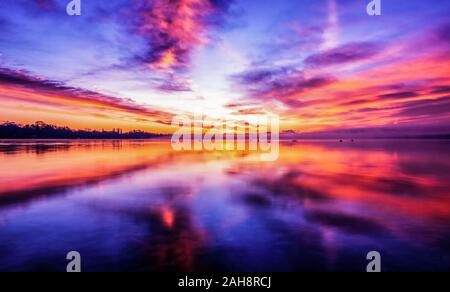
x=323, y=66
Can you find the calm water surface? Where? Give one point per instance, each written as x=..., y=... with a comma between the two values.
x=139, y=206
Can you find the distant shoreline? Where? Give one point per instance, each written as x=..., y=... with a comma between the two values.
x=168, y=138
x=43, y=131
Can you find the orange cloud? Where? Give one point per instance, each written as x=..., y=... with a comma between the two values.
x=377, y=97
x=26, y=98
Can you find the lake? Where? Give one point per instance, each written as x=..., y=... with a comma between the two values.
x=140, y=206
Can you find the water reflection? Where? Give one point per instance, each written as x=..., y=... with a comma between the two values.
x=139, y=206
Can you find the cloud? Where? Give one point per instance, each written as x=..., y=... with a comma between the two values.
x=440, y=106
x=256, y=76
x=249, y=111
x=347, y=53
x=173, y=28
x=174, y=84
x=399, y=95
x=54, y=92
x=441, y=89
x=46, y=4
x=279, y=84
x=239, y=105
x=331, y=33
x=443, y=33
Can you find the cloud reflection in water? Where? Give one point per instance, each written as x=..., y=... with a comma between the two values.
x=139, y=206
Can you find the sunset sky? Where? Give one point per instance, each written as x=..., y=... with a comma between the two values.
x=322, y=65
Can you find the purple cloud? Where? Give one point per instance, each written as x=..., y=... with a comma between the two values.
x=348, y=53
x=46, y=4
x=427, y=107
x=174, y=28
x=441, y=89
x=278, y=83
x=399, y=95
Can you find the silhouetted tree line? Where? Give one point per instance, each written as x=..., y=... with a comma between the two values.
x=41, y=130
